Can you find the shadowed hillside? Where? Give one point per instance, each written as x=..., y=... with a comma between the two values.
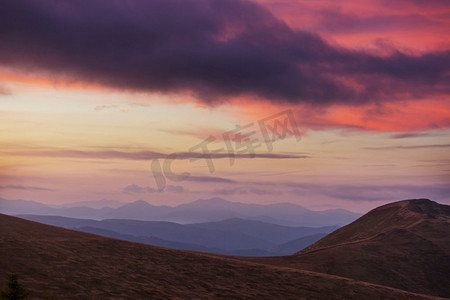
x=66, y=264
x=404, y=244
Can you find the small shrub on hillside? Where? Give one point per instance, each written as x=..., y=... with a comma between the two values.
x=14, y=290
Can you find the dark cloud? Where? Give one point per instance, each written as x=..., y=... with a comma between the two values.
x=243, y=190
x=393, y=192
x=145, y=155
x=174, y=188
x=136, y=189
x=439, y=161
x=404, y=135
x=374, y=192
x=408, y=147
x=210, y=179
x=360, y=192
x=25, y=188
x=214, y=48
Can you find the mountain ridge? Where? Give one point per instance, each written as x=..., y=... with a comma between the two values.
x=205, y=210
x=233, y=236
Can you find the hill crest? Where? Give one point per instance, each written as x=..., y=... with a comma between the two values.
x=404, y=214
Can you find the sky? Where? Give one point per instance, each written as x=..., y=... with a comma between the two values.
x=326, y=104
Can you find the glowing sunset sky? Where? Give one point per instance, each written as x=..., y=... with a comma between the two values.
x=92, y=91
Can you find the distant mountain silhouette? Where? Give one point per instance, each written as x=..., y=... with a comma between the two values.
x=210, y=210
x=95, y=204
x=58, y=263
x=14, y=207
x=232, y=236
x=405, y=245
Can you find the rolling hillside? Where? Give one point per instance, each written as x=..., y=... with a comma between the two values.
x=405, y=245
x=65, y=264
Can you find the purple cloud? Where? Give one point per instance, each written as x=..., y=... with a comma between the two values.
x=244, y=190
x=136, y=189
x=210, y=179
x=404, y=135
x=409, y=147
x=146, y=155
x=217, y=49
x=25, y=188
x=364, y=192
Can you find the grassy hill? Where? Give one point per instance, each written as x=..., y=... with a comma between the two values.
x=67, y=264
x=405, y=245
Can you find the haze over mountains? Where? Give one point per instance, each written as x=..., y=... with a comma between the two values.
x=231, y=236
x=61, y=263
x=210, y=210
x=214, y=225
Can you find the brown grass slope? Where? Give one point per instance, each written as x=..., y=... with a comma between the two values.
x=67, y=264
x=405, y=245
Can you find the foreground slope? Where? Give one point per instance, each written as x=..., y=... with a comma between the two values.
x=67, y=264
x=405, y=245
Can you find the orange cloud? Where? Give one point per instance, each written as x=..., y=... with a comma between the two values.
x=409, y=116
x=43, y=80
x=417, y=25
x=417, y=115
